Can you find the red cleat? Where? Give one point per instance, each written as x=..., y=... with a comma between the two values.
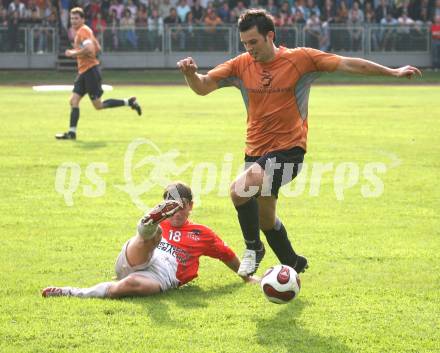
x=162, y=211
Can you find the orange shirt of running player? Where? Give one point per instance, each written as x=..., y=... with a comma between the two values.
x=86, y=62
x=276, y=95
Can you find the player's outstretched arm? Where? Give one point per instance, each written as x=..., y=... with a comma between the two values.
x=366, y=67
x=234, y=265
x=200, y=84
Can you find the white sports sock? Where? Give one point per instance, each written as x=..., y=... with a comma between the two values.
x=72, y=129
x=126, y=101
x=98, y=291
x=147, y=231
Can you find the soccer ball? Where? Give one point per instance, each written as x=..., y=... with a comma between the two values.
x=280, y=284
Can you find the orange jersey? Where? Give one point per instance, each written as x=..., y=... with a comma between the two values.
x=276, y=95
x=86, y=62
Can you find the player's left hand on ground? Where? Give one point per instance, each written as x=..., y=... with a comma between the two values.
x=252, y=279
x=408, y=71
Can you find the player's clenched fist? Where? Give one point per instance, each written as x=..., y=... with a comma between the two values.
x=187, y=66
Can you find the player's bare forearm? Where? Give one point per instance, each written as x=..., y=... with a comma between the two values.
x=200, y=84
x=366, y=67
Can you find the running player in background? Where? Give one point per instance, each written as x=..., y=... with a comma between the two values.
x=86, y=49
x=275, y=85
x=159, y=258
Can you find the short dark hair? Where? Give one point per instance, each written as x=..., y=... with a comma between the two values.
x=256, y=17
x=77, y=11
x=178, y=190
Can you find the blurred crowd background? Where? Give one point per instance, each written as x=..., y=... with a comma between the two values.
x=131, y=25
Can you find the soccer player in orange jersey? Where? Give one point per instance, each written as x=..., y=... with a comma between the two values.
x=275, y=84
x=86, y=49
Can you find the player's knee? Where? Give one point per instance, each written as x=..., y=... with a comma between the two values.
x=74, y=102
x=132, y=283
x=98, y=105
x=267, y=223
x=233, y=193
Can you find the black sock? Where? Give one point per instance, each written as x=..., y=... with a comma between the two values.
x=113, y=103
x=248, y=218
x=280, y=244
x=74, y=117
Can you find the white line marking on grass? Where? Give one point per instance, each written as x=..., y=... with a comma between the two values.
x=63, y=88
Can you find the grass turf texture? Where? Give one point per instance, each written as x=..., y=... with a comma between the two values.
x=114, y=77
x=373, y=283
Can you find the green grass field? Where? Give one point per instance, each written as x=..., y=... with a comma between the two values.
x=374, y=279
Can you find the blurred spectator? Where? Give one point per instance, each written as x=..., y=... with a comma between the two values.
x=118, y=9
x=369, y=14
x=182, y=10
x=192, y=37
x=435, y=42
x=13, y=22
x=155, y=30
x=383, y=10
x=437, y=9
x=46, y=35
x=370, y=19
x=177, y=35
x=402, y=6
x=340, y=37
x=283, y=21
x=133, y=9
x=197, y=12
x=127, y=30
x=3, y=34
x=164, y=8
x=32, y=12
x=255, y=4
x=388, y=33
x=64, y=6
x=99, y=25
x=313, y=31
x=224, y=12
x=342, y=13
x=105, y=9
x=299, y=6
x=111, y=39
x=272, y=8
x=214, y=37
x=238, y=10
x=311, y=8
x=328, y=12
x=94, y=9
x=355, y=24
x=422, y=11
x=284, y=14
x=142, y=16
x=299, y=17
x=18, y=7
x=47, y=9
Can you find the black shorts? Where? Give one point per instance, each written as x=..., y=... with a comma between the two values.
x=89, y=82
x=288, y=164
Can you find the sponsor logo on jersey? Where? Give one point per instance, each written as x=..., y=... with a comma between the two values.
x=194, y=234
x=179, y=254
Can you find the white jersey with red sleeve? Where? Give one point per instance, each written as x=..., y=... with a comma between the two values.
x=184, y=245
